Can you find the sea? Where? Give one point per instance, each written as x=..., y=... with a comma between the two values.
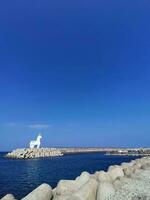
x=20, y=177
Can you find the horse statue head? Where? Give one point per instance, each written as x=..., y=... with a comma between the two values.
x=39, y=137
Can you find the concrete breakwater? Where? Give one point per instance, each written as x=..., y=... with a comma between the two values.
x=47, y=152
x=129, y=152
x=108, y=151
x=128, y=181
x=82, y=150
x=34, y=153
x=26, y=153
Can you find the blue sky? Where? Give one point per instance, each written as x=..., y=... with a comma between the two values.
x=76, y=71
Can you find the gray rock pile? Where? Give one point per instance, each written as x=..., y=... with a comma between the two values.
x=34, y=153
x=129, y=181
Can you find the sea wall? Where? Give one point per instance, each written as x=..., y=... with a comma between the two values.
x=98, y=186
x=34, y=153
x=107, y=151
x=47, y=152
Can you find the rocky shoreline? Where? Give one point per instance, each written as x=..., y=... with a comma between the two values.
x=29, y=153
x=128, y=181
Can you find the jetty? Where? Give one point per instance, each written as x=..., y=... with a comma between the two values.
x=129, y=152
x=34, y=151
x=29, y=153
x=128, y=181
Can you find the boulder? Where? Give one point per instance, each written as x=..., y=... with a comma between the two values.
x=83, y=178
x=138, y=171
x=117, y=183
x=94, y=176
x=43, y=192
x=105, y=190
x=115, y=172
x=103, y=176
x=66, y=187
x=86, y=192
x=129, y=171
x=34, y=153
x=62, y=197
x=125, y=165
x=145, y=166
x=8, y=197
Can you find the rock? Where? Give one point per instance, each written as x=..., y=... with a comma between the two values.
x=62, y=197
x=128, y=171
x=137, y=171
x=54, y=191
x=8, y=197
x=117, y=183
x=105, y=190
x=86, y=192
x=96, y=173
x=83, y=178
x=66, y=187
x=94, y=176
x=115, y=172
x=103, y=176
x=145, y=166
x=34, y=153
x=99, y=186
x=125, y=165
x=43, y=192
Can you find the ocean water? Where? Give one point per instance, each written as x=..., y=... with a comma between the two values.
x=20, y=177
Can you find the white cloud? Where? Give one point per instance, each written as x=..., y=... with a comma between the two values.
x=39, y=126
x=32, y=126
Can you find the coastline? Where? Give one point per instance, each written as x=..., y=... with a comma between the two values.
x=99, y=185
x=30, y=153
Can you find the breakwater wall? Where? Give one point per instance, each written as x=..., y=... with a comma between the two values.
x=98, y=186
x=26, y=153
x=108, y=151
x=81, y=150
x=128, y=152
x=34, y=153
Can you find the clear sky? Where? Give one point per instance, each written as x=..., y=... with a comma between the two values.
x=77, y=71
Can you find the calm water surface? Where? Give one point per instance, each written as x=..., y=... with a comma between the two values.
x=19, y=177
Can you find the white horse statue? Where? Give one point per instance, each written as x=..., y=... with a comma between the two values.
x=36, y=143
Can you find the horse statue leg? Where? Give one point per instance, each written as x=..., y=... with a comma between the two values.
x=38, y=146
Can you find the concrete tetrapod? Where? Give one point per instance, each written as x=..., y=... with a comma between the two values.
x=103, y=176
x=105, y=189
x=43, y=192
x=115, y=172
x=67, y=187
x=8, y=197
x=86, y=192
